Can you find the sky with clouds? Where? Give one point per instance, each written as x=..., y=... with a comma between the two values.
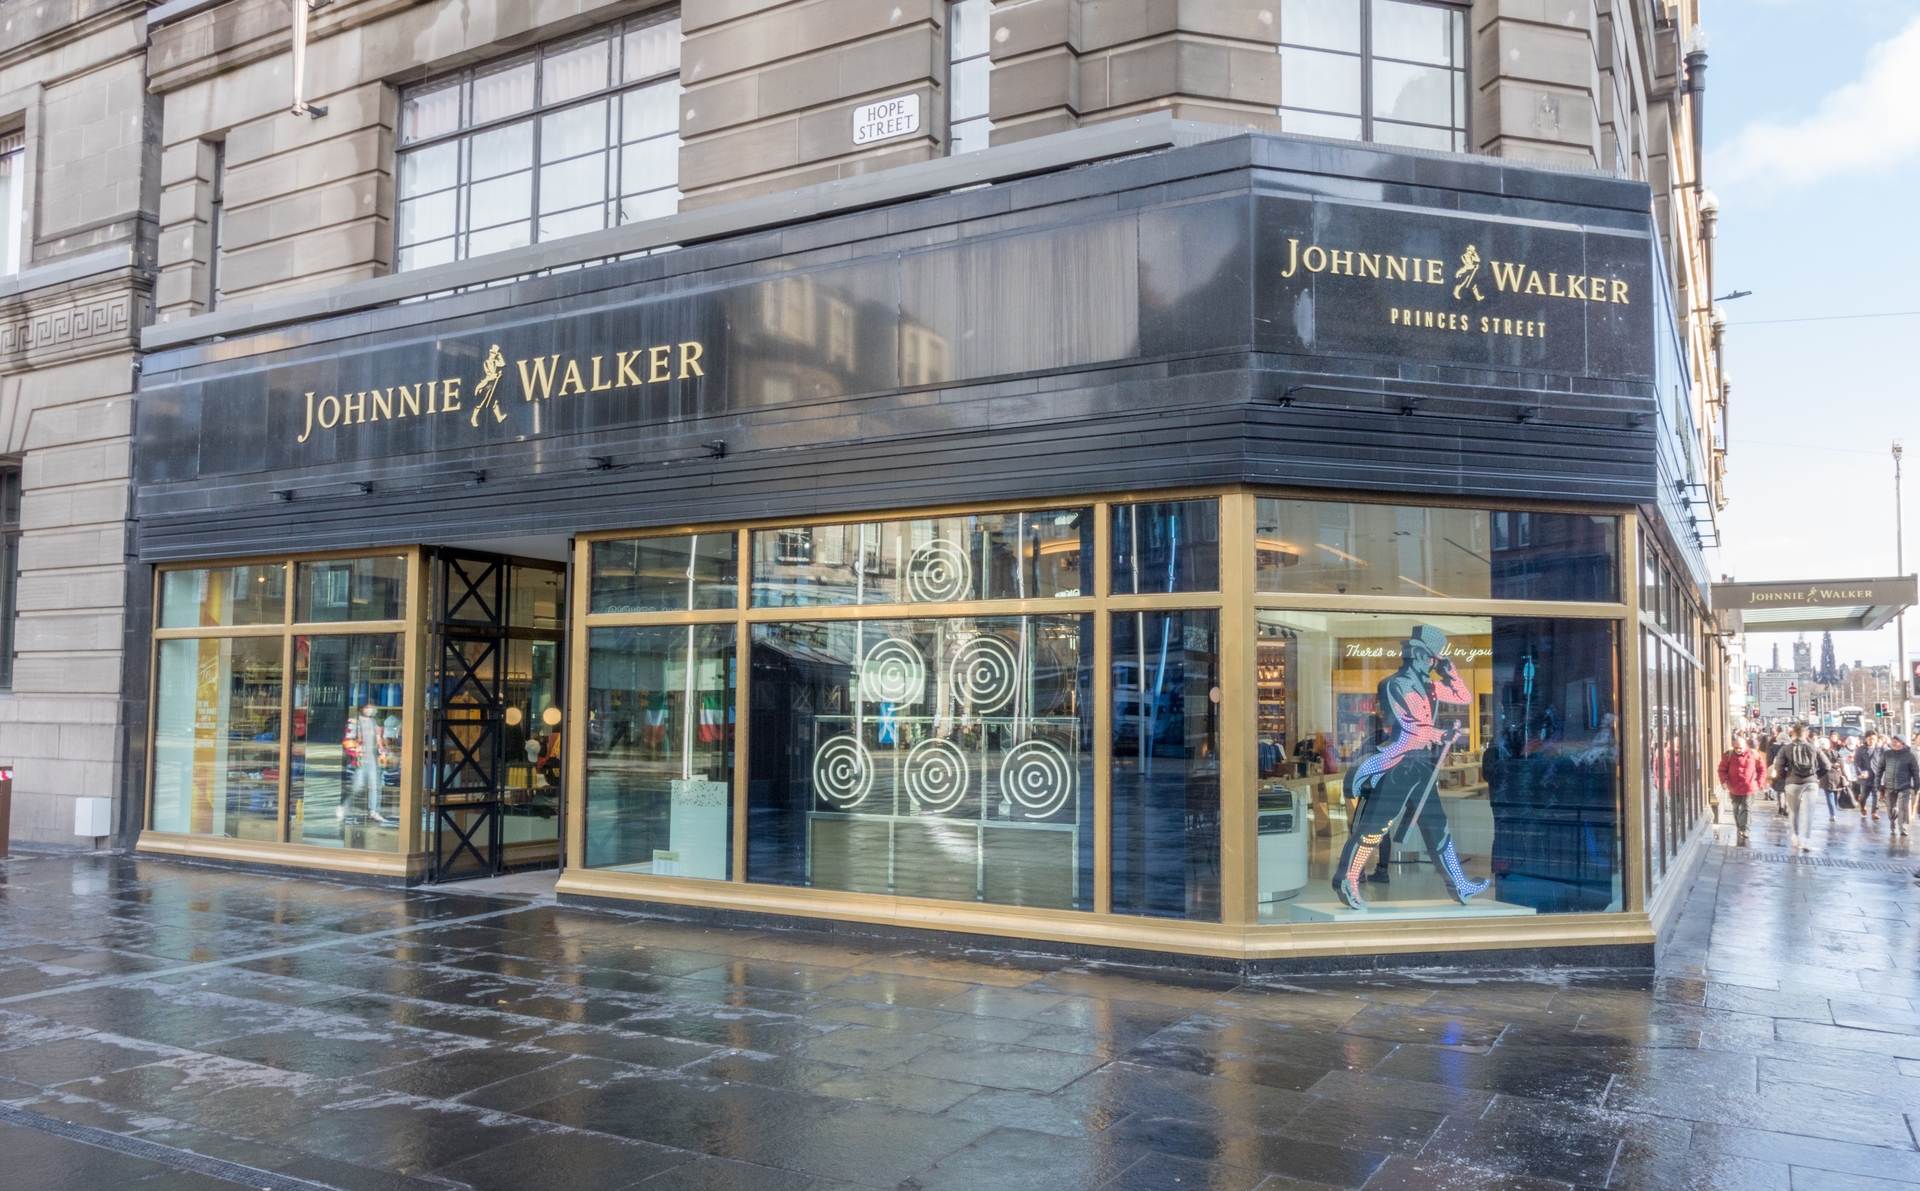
x=1813, y=149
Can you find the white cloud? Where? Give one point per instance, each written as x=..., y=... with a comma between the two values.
x=1873, y=122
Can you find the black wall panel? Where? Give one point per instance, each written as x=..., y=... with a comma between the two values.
x=1142, y=324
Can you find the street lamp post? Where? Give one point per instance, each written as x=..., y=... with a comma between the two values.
x=1902, y=681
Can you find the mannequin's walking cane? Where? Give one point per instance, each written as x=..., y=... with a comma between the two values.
x=1433, y=780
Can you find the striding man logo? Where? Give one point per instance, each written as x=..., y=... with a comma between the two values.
x=496, y=366
x=1468, y=270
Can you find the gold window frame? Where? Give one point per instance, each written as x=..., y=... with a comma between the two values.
x=408, y=860
x=1239, y=934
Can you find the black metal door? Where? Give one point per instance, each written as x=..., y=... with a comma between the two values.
x=465, y=714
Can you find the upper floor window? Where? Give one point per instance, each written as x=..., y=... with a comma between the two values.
x=576, y=136
x=216, y=223
x=13, y=190
x=968, y=69
x=1392, y=71
x=9, y=567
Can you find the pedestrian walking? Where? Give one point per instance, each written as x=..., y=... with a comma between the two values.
x=1839, y=758
x=1849, y=776
x=1741, y=772
x=1866, y=762
x=1777, y=741
x=1899, y=777
x=1799, y=768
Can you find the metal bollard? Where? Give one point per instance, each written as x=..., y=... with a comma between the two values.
x=6, y=807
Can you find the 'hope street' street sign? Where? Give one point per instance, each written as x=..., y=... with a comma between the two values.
x=886, y=119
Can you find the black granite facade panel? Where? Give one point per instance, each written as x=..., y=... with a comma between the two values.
x=1252, y=309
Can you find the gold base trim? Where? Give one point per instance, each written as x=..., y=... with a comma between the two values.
x=1124, y=931
x=303, y=856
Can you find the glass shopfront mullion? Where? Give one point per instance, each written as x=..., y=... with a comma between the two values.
x=1100, y=569
x=1663, y=758
x=1668, y=734
x=286, y=746
x=1663, y=682
x=1656, y=732
x=1682, y=676
x=1676, y=750
x=743, y=710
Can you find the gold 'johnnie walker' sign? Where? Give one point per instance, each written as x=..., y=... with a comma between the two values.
x=542, y=378
x=1468, y=287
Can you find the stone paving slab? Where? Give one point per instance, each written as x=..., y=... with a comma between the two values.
x=162, y=1020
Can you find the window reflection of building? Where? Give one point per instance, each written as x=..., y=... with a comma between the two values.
x=1360, y=549
x=1015, y=555
x=804, y=337
x=923, y=355
x=1672, y=676
x=795, y=546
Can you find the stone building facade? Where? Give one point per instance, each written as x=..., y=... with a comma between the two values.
x=82, y=140
x=699, y=270
x=769, y=91
x=213, y=185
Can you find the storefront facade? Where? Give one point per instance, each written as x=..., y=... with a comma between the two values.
x=1261, y=551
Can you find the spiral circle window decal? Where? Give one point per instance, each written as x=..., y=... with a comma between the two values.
x=893, y=672
x=842, y=772
x=1038, y=777
x=936, y=775
x=985, y=674
x=939, y=571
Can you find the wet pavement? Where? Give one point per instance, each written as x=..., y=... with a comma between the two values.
x=165, y=1025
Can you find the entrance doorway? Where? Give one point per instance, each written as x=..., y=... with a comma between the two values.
x=495, y=690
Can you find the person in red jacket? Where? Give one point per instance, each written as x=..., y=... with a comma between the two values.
x=1742, y=771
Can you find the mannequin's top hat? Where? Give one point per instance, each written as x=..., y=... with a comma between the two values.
x=1428, y=638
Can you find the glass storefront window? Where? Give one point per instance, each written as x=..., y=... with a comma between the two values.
x=1411, y=550
x=660, y=749
x=944, y=758
x=1436, y=766
x=349, y=589
x=1166, y=546
x=537, y=600
x=344, y=780
x=220, y=597
x=216, y=743
x=531, y=734
x=696, y=571
x=985, y=556
x=1166, y=764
